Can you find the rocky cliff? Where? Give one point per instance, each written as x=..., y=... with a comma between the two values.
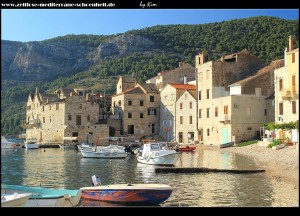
x=49, y=59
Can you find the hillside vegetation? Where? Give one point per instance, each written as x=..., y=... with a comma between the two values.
x=95, y=61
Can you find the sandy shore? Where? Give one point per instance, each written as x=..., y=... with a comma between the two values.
x=282, y=164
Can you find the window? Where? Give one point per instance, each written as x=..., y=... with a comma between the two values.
x=129, y=115
x=57, y=106
x=119, y=103
x=191, y=105
x=207, y=112
x=151, y=98
x=151, y=111
x=80, y=106
x=207, y=131
x=141, y=103
x=129, y=103
x=294, y=107
x=78, y=119
x=266, y=112
x=200, y=113
x=180, y=105
x=225, y=109
x=293, y=84
x=50, y=120
x=49, y=107
x=74, y=134
x=170, y=122
x=130, y=129
x=141, y=115
x=199, y=95
x=293, y=57
x=280, y=84
x=207, y=93
x=216, y=111
x=181, y=119
x=43, y=108
x=44, y=119
x=88, y=117
x=191, y=119
x=207, y=74
x=199, y=60
x=80, y=93
x=69, y=117
x=280, y=108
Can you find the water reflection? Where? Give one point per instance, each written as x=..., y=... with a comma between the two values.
x=67, y=168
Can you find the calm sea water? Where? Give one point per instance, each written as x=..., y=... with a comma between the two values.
x=57, y=168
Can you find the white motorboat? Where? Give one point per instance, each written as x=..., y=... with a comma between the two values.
x=14, y=200
x=7, y=144
x=111, y=151
x=32, y=144
x=158, y=154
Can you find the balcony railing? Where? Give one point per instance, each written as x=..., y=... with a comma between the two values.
x=286, y=94
x=224, y=118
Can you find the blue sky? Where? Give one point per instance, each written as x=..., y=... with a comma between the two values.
x=39, y=24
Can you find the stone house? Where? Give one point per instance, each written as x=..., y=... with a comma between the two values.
x=168, y=97
x=137, y=109
x=287, y=87
x=185, y=113
x=70, y=115
x=177, y=75
x=231, y=105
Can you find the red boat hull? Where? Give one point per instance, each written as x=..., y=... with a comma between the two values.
x=134, y=196
x=187, y=148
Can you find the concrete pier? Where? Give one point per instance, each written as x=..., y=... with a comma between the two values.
x=201, y=169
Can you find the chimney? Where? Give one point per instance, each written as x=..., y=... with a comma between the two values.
x=181, y=64
x=184, y=79
x=290, y=43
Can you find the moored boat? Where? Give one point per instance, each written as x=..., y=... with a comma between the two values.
x=156, y=154
x=14, y=200
x=138, y=194
x=5, y=144
x=187, y=148
x=225, y=145
x=111, y=151
x=32, y=144
x=45, y=197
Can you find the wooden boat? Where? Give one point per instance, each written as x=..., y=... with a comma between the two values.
x=225, y=145
x=187, y=148
x=44, y=197
x=14, y=200
x=128, y=194
x=157, y=154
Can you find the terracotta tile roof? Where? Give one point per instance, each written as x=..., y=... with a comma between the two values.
x=184, y=86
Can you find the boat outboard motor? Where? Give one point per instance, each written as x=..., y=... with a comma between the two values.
x=96, y=180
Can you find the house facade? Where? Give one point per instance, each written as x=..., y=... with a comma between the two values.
x=168, y=97
x=71, y=115
x=138, y=110
x=185, y=112
x=225, y=112
x=287, y=87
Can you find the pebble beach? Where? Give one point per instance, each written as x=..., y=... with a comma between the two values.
x=282, y=166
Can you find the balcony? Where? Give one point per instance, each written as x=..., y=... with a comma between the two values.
x=31, y=124
x=286, y=94
x=224, y=118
